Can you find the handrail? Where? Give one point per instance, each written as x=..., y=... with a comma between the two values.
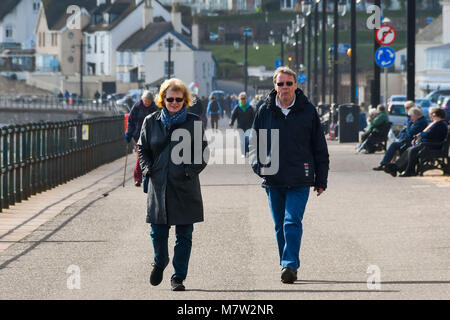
x=36, y=157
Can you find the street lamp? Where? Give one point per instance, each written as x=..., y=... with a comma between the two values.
x=324, y=48
x=306, y=8
x=339, y=9
x=353, y=52
x=316, y=51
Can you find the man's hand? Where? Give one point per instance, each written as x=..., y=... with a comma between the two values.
x=231, y=126
x=319, y=190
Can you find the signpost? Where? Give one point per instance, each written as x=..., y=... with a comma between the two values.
x=385, y=35
x=301, y=78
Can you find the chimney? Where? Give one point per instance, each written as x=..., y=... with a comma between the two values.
x=175, y=15
x=195, y=32
x=147, y=13
x=445, y=21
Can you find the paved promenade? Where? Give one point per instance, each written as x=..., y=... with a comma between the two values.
x=367, y=225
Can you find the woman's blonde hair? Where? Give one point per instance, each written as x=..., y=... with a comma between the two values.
x=175, y=85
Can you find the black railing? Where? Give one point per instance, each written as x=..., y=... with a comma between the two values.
x=39, y=156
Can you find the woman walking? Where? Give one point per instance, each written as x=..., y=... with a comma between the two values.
x=174, y=195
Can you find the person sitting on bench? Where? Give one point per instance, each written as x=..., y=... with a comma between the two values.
x=417, y=124
x=431, y=138
x=375, y=130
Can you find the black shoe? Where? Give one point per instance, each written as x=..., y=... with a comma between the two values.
x=137, y=183
x=288, y=275
x=407, y=174
x=157, y=275
x=177, y=284
x=379, y=168
x=391, y=168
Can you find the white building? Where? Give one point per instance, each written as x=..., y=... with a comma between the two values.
x=144, y=57
x=17, y=21
x=111, y=23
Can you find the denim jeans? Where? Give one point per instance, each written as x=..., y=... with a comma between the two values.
x=182, y=250
x=288, y=206
x=243, y=139
x=390, y=152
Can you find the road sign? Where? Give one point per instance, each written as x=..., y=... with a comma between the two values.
x=385, y=57
x=301, y=78
x=386, y=35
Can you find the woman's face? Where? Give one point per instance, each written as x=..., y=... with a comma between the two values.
x=171, y=103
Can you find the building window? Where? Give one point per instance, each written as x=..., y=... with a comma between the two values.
x=166, y=69
x=54, y=39
x=130, y=58
x=102, y=68
x=8, y=32
x=95, y=44
x=36, y=5
x=142, y=76
x=70, y=35
x=43, y=39
x=102, y=40
x=88, y=45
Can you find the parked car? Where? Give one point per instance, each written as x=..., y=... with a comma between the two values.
x=397, y=115
x=446, y=106
x=213, y=36
x=434, y=96
x=425, y=104
x=396, y=98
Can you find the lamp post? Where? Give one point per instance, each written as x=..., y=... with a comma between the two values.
x=316, y=51
x=169, y=57
x=245, y=61
x=306, y=9
x=411, y=50
x=339, y=9
x=324, y=48
x=376, y=92
x=353, y=51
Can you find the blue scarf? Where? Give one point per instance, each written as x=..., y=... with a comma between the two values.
x=176, y=118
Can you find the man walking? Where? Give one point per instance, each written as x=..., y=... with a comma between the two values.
x=244, y=114
x=303, y=162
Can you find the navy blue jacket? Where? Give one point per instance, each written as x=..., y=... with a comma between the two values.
x=415, y=127
x=136, y=118
x=436, y=134
x=303, y=151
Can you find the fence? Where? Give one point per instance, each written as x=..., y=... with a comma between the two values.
x=55, y=103
x=39, y=156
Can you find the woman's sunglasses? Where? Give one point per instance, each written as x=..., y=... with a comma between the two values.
x=176, y=99
x=288, y=83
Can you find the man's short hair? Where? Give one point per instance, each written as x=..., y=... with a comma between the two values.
x=381, y=108
x=410, y=104
x=415, y=111
x=285, y=70
x=242, y=94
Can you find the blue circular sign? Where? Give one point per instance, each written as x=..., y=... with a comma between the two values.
x=301, y=78
x=385, y=57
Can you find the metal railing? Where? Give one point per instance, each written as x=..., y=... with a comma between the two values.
x=55, y=103
x=39, y=156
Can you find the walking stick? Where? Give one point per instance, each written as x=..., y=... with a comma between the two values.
x=125, y=169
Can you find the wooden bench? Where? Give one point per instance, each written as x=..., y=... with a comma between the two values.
x=435, y=159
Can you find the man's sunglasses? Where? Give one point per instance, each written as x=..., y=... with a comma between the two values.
x=288, y=83
x=176, y=99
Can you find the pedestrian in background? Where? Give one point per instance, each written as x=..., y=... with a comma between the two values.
x=174, y=195
x=214, y=111
x=197, y=107
x=303, y=163
x=244, y=114
x=139, y=111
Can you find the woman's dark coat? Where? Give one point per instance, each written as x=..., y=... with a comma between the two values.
x=174, y=195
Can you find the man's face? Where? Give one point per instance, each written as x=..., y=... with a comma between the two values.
x=285, y=85
x=414, y=117
x=147, y=102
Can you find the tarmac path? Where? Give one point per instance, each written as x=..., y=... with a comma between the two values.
x=365, y=222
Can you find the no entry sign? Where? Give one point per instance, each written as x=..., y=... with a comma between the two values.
x=386, y=35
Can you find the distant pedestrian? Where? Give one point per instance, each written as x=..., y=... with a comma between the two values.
x=227, y=103
x=244, y=114
x=139, y=111
x=204, y=102
x=104, y=99
x=174, y=194
x=303, y=162
x=197, y=107
x=67, y=96
x=214, y=111
x=97, y=97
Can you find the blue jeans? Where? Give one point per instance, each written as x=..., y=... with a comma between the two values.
x=288, y=206
x=390, y=152
x=182, y=251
